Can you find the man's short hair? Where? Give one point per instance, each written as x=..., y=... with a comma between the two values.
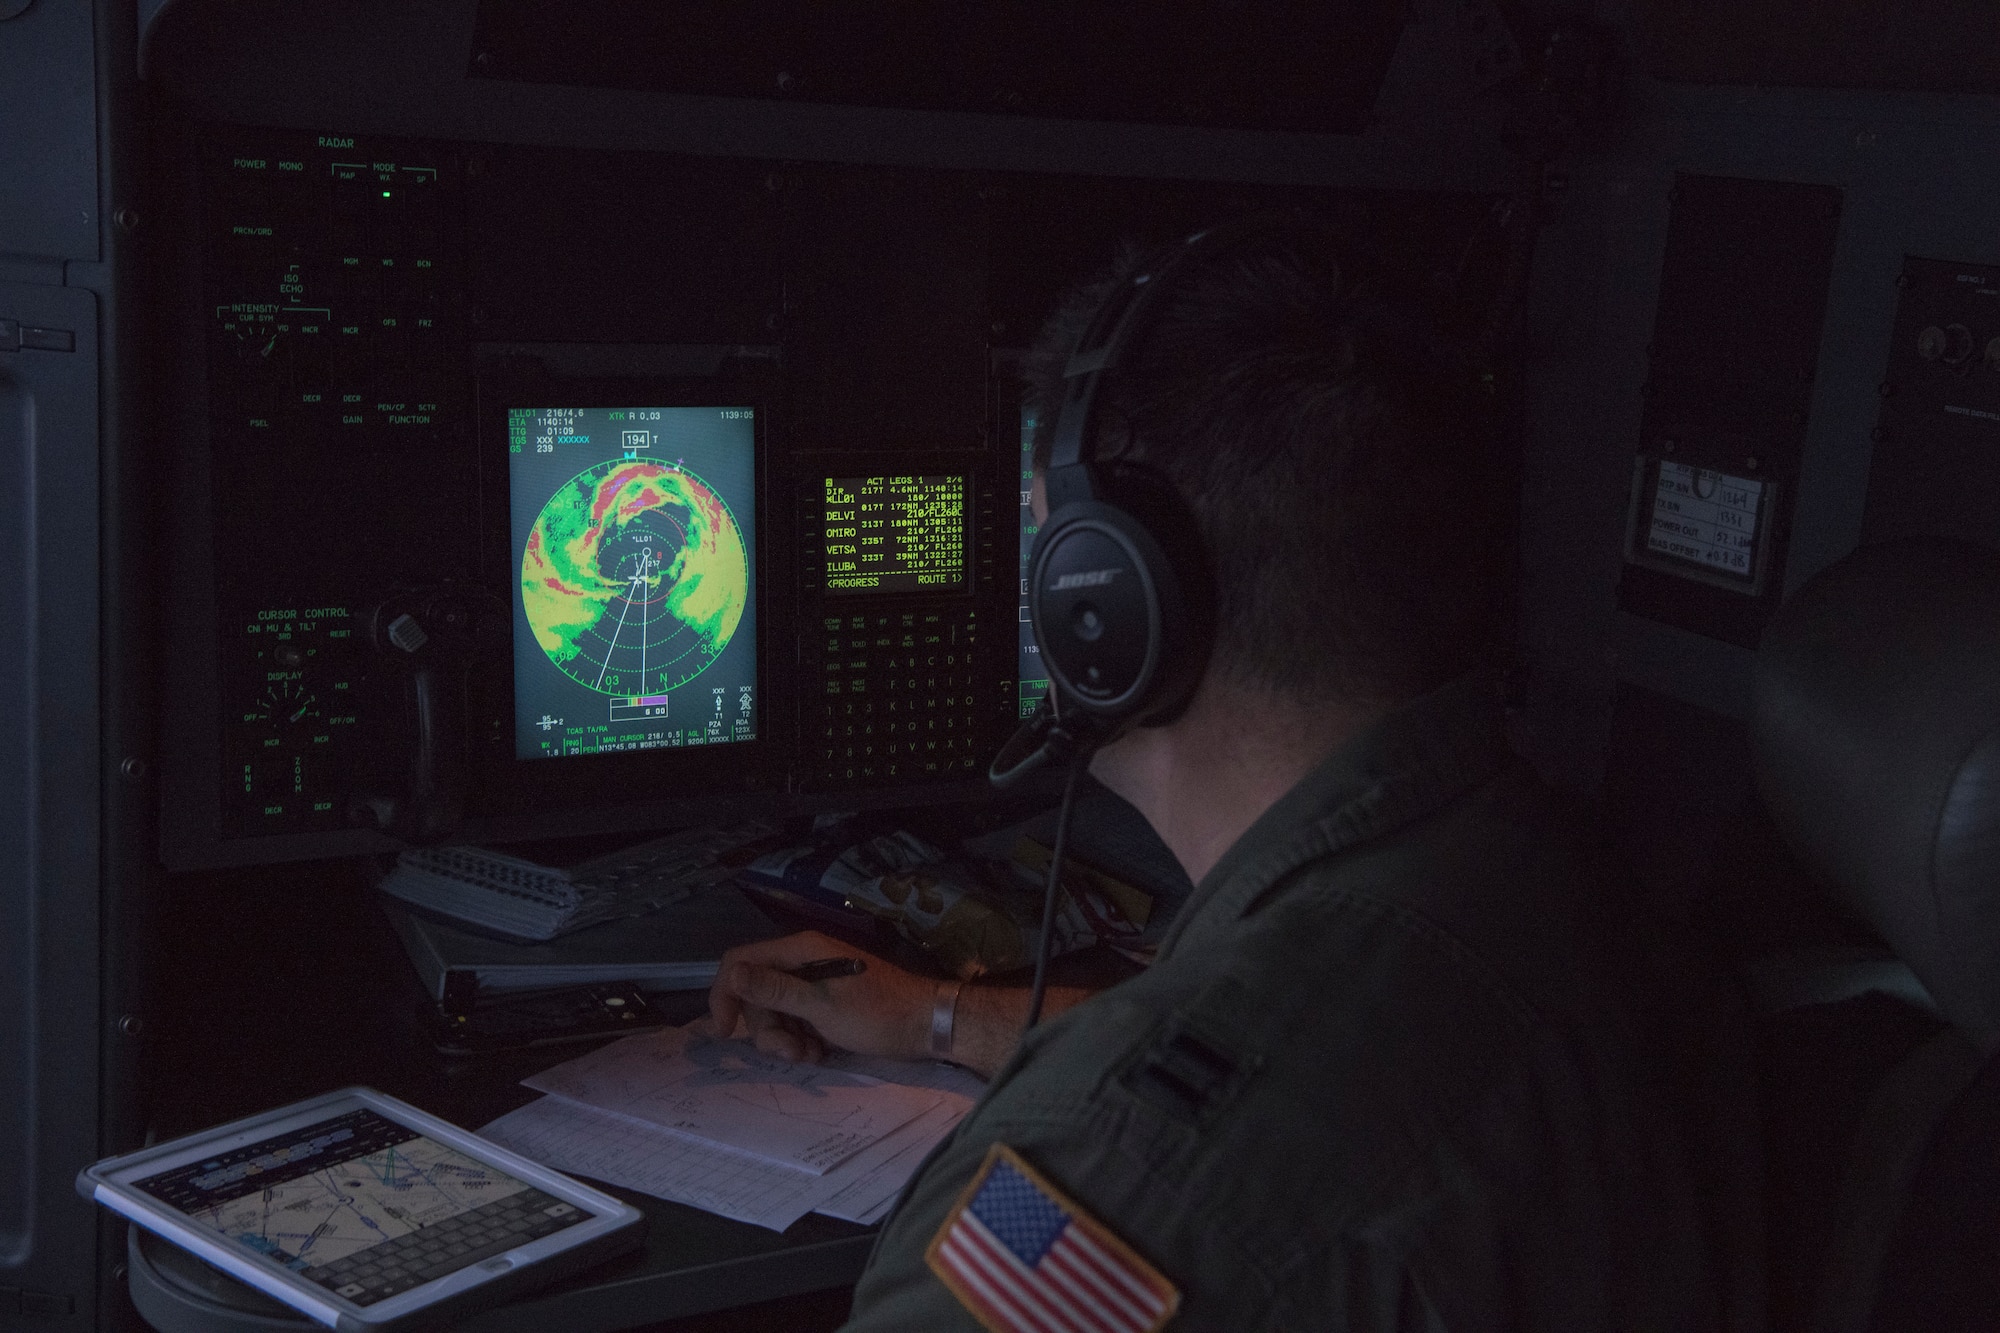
x=1341, y=460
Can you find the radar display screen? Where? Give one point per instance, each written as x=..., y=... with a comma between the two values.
x=896, y=534
x=361, y=1205
x=633, y=538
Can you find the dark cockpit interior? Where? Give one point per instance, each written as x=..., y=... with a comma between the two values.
x=541, y=427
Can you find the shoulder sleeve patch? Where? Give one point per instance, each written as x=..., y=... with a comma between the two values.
x=1022, y=1257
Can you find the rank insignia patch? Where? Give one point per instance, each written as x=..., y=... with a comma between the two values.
x=1025, y=1259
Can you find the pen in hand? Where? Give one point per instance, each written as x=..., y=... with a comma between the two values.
x=826, y=969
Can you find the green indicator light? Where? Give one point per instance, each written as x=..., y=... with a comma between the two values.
x=385, y=194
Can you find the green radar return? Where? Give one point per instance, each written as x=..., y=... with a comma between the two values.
x=633, y=533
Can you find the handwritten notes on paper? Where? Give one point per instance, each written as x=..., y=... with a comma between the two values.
x=719, y=1126
x=732, y=1096
x=581, y=1139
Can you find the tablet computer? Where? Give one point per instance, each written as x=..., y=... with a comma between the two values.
x=363, y=1212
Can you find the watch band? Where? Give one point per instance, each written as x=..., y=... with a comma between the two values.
x=944, y=1016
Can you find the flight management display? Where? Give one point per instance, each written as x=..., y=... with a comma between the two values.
x=897, y=534
x=634, y=540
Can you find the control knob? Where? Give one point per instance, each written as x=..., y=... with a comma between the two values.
x=1951, y=344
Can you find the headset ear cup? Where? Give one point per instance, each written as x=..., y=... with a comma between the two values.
x=1096, y=610
x=1122, y=616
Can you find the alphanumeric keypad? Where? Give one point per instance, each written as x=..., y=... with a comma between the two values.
x=395, y=1266
x=899, y=697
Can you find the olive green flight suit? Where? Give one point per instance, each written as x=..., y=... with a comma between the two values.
x=1382, y=1076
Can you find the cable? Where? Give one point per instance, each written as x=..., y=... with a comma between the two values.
x=1049, y=898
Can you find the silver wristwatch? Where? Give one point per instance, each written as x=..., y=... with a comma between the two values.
x=944, y=1016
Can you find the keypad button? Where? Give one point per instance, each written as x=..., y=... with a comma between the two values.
x=901, y=696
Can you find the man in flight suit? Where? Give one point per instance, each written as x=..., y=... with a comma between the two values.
x=1388, y=1071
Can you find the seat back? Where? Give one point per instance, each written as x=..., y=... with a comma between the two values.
x=1876, y=735
x=1877, y=739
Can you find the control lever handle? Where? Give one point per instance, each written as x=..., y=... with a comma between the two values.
x=430, y=636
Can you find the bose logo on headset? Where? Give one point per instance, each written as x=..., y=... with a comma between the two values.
x=1090, y=578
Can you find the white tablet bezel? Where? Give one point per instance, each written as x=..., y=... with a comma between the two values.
x=112, y=1183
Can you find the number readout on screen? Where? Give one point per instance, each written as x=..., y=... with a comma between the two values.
x=896, y=534
x=1707, y=518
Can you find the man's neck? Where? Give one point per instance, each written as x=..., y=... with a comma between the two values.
x=1205, y=778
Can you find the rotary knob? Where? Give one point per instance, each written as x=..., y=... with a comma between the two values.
x=1951, y=344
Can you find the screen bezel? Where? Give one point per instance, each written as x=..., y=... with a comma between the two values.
x=504, y=786
x=1006, y=407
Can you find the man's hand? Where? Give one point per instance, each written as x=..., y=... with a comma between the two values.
x=883, y=1011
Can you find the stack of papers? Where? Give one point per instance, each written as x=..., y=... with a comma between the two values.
x=720, y=1126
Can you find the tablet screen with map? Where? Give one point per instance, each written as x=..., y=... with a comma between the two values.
x=360, y=1205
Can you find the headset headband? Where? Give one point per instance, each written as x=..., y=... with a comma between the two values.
x=1120, y=325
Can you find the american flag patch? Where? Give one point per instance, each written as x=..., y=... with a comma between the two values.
x=1024, y=1259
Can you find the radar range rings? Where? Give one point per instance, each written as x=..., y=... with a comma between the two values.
x=635, y=577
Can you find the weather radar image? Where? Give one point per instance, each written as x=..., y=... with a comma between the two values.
x=634, y=620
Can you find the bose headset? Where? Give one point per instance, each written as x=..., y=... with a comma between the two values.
x=1119, y=588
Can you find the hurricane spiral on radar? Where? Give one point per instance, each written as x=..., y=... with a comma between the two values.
x=634, y=577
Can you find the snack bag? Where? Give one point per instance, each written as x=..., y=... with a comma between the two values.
x=970, y=924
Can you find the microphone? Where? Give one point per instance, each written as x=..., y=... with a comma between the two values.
x=1045, y=738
